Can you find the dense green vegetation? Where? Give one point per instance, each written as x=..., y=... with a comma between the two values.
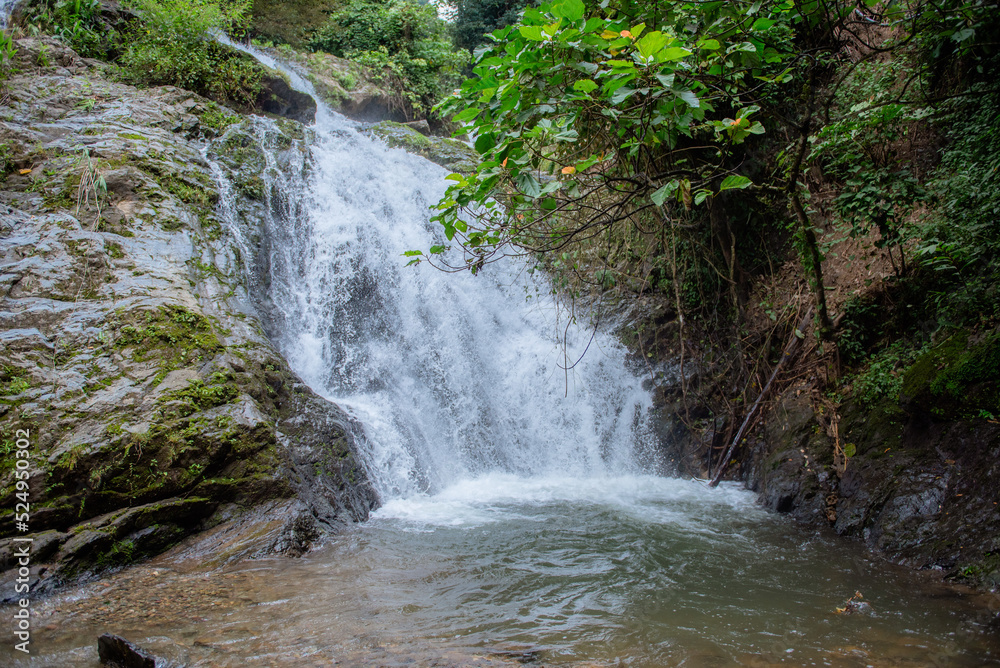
x=405, y=44
x=686, y=148
x=158, y=42
x=474, y=19
x=682, y=150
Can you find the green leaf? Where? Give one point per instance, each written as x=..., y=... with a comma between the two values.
x=528, y=185
x=584, y=85
x=484, y=143
x=533, y=33
x=466, y=115
x=666, y=79
x=412, y=253
x=573, y=10
x=762, y=24
x=963, y=34
x=701, y=195
x=621, y=95
x=735, y=182
x=689, y=97
x=850, y=450
x=710, y=44
x=661, y=195
x=672, y=53
x=650, y=43
x=437, y=249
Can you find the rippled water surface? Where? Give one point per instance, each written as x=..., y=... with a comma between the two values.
x=637, y=571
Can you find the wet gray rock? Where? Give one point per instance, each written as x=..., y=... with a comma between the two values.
x=117, y=652
x=920, y=490
x=278, y=98
x=129, y=345
x=451, y=154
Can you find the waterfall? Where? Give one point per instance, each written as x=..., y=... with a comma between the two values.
x=6, y=7
x=452, y=376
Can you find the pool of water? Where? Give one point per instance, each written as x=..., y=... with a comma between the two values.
x=637, y=571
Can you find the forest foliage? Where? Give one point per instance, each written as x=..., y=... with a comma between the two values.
x=628, y=142
x=683, y=149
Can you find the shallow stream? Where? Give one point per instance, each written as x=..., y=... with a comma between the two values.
x=634, y=571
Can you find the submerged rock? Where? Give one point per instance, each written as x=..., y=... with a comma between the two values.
x=117, y=652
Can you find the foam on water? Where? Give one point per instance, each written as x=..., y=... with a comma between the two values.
x=503, y=496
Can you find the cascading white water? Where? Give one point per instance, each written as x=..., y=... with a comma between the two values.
x=453, y=376
x=6, y=7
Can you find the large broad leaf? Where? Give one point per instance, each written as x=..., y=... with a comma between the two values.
x=622, y=94
x=584, y=85
x=533, y=33
x=689, y=97
x=650, y=43
x=466, y=115
x=485, y=142
x=661, y=195
x=735, y=182
x=573, y=10
x=673, y=53
x=528, y=185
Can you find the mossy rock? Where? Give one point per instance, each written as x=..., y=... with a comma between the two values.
x=449, y=153
x=956, y=380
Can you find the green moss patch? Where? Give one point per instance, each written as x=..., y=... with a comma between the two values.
x=955, y=380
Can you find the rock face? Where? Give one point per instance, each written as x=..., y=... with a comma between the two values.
x=278, y=98
x=156, y=405
x=449, y=153
x=346, y=87
x=920, y=488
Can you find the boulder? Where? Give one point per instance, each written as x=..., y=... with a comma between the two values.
x=451, y=154
x=278, y=98
x=117, y=652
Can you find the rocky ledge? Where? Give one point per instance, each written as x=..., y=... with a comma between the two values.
x=154, y=404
